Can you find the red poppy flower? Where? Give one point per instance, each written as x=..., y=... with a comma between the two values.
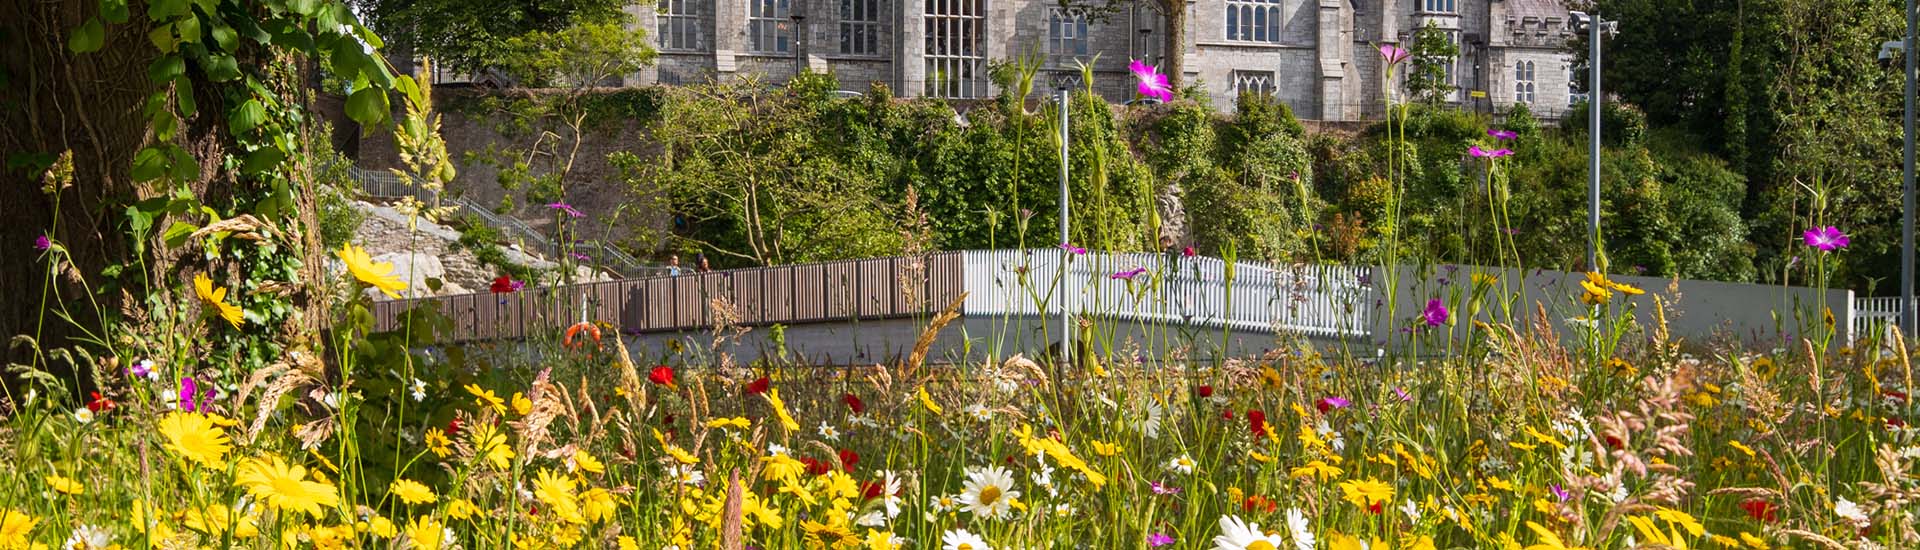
x=1895, y=423
x=1376, y=507
x=1895, y=395
x=506, y=285
x=453, y=427
x=758, y=385
x=1257, y=503
x=661, y=375
x=848, y=458
x=1759, y=508
x=99, y=404
x=1257, y=422
x=1226, y=414
x=871, y=489
x=815, y=466
x=853, y=403
x=1205, y=391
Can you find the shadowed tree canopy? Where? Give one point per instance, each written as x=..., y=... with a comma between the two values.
x=470, y=35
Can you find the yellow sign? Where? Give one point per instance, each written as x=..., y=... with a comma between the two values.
x=1478, y=94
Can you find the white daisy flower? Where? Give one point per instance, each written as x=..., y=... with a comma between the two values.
x=687, y=475
x=1297, y=528
x=88, y=537
x=961, y=539
x=943, y=503
x=419, y=390
x=1150, y=426
x=890, y=493
x=1237, y=534
x=1851, y=512
x=83, y=415
x=1183, y=464
x=979, y=412
x=989, y=492
x=828, y=432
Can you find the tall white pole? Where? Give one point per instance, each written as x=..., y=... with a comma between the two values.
x=1594, y=100
x=1066, y=314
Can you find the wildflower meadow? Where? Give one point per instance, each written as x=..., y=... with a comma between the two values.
x=1494, y=417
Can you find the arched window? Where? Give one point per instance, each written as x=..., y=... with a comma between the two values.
x=1255, y=20
x=1524, y=88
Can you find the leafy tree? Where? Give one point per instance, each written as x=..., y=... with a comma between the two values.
x=1429, y=62
x=132, y=127
x=473, y=35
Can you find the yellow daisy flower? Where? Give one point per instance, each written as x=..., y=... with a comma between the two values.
x=216, y=298
x=65, y=485
x=412, y=492
x=485, y=398
x=285, y=486
x=194, y=437
x=378, y=275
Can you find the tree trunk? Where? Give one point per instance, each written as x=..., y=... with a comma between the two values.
x=58, y=101
x=1175, y=46
x=94, y=105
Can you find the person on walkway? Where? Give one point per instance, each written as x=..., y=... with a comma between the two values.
x=673, y=265
x=703, y=267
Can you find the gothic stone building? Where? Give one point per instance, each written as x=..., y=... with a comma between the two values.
x=1317, y=56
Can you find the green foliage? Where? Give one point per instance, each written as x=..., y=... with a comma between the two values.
x=484, y=241
x=1621, y=124
x=473, y=35
x=580, y=55
x=1430, y=56
x=336, y=190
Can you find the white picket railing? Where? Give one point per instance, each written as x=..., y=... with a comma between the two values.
x=1314, y=300
x=1869, y=312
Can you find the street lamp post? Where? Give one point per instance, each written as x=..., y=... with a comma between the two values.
x=799, y=40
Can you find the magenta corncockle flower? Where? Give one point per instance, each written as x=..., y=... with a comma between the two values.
x=1477, y=152
x=1502, y=135
x=1188, y=252
x=568, y=208
x=42, y=243
x=1393, y=54
x=1157, y=540
x=1128, y=275
x=141, y=369
x=1559, y=492
x=1827, y=238
x=1330, y=403
x=1402, y=394
x=1436, y=313
x=1160, y=489
x=1077, y=251
x=188, y=389
x=1150, y=82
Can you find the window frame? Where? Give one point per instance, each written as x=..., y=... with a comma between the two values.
x=1256, y=21
x=770, y=21
x=1073, y=20
x=955, y=56
x=680, y=30
x=860, y=22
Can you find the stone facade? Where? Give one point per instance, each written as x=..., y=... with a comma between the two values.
x=1317, y=56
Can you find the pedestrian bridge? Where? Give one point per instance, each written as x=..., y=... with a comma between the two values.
x=873, y=310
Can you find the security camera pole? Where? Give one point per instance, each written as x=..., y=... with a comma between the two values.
x=1066, y=311
x=1907, y=320
x=1583, y=22
x=1592, y=24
